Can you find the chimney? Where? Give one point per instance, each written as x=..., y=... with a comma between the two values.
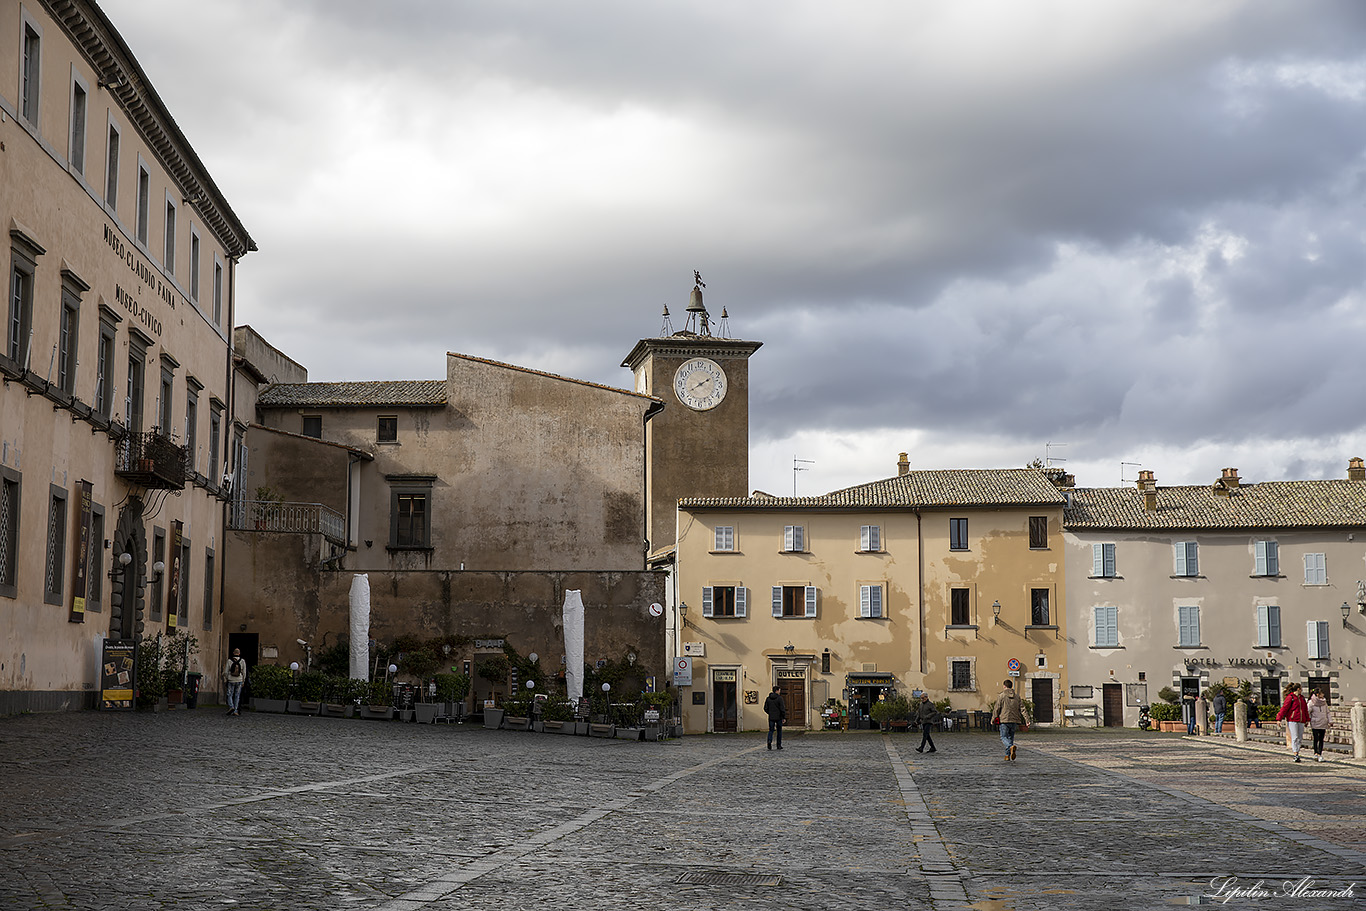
x=1230, y=478
x=903, y=465
x=1356, y=470
x=1060, y=478
x=1147, y=484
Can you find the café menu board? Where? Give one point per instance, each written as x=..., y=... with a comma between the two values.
x=117, y=679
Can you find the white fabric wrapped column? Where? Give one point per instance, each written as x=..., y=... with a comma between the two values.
x=360, y=627
x=573, y=645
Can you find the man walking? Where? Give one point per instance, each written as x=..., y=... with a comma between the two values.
x=777, y=715
x=928, y=716
x=1008, y=713
x=235, y=674
x=1219, y=705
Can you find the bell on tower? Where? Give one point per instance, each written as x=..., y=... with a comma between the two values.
x=697, y=311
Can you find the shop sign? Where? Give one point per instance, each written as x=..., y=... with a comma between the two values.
x=1232, y=662
x=723, y=676
x=488, y=645
x=80, y=583
x=173, y=595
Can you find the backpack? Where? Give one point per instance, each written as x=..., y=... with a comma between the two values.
x=235, y=669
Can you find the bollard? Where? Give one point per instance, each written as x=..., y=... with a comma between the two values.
x=1201, y=717
x=1240, y=721
x=1358, y=730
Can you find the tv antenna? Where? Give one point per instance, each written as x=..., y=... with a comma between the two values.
x=1048, y=457
x=1122, y=466
x=796, y=468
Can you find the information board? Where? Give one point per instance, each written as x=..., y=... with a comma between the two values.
x=118, y=674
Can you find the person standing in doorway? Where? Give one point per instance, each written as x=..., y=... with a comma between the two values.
x=1254, y=717
x=235, y=674
x=1008, y=714
x=1295, y=713
x=1318, y=722
x=776, y=709
x=1219, y=705
x=927, y=715
x=1188, y=706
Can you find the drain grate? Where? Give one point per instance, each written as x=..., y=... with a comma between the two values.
x=709, y=878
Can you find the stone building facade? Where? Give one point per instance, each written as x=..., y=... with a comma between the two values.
x=121, y=262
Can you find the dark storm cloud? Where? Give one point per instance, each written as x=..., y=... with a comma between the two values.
x=1136, y=228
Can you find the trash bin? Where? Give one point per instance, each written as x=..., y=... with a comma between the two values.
x=192, y=680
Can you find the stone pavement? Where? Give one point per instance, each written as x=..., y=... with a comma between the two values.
x=193, y=810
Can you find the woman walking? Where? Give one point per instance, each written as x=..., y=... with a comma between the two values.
x=1295, y=713
x=1318, y=722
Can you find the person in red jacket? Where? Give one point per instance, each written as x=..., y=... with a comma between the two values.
x=1295, y=713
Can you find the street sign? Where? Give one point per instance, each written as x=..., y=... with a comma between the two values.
x=1013, y=665
x=683, y=671
x=656, y=609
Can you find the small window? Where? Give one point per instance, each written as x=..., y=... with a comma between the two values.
x=208, y=589
x=1315, y=569
x=158, y=586
x=54, y=573
x=1038, y=532
x=1186, y=558
x=312, y=426
x=1107, y=626
x=724, y=538
x=410, y=516
x=137, y=376
x=68, y=337
x=165, y=397
x=80, y=99
x=1103, y=561
x=94, y=569
x=169, y=258
x=870, y=538
x=1266, y=559
x=217, y=291
x=958, y=534
x=1188, y=626
x=194, y=264
x=215, y=438
x=1317, y=632
x=792, y=538
x=23, y=268
x=1268, y=626
x=111, y=169
x=959, y=607
x=870, y=601
x=724, y=601
x=9, y=532
x=144, y=203
x=1038, y=607
x=104, y=369
x=30, y=73
x=192, y=423
x=794, y=601
x=961, y=671
x=387, y=431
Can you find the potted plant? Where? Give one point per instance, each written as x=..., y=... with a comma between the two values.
x=270, y=686
x=658, y=707
x=379, y=701
x=151, y=682
x=342, y=695
x=308, y=692
x=1166, y=717
x=518, y=709
x=451, y=690
x=558, y=717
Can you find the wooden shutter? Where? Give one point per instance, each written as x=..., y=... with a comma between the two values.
x=1273, y=558
x=1263, y=626
x=1273, y=626
x=870, y=537
x=1108, y=567
x=1097, y=560
x=740, y=601
x=875, y=591
x=1315, y=569
x=811, y=601
x=1107, y=626
x=1260, y=559
x=1189, y=622
x=1179, y=555
x=792, y=538
x=777, y=600
x=706, y=601
x=1317, y=632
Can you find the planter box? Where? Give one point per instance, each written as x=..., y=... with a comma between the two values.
x=426, y=712
x=581, y=728
x=558, y=727
x=296, y=707
x=377, y=712
x=336, y=710
x=406, y=715
x=652, y=732
x=513, y=723
x=1172, y=727
x=493, y=719
x=636, y=734
x=601, y=730
x=269, y=705
x=900, y=726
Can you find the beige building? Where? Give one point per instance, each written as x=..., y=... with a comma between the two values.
x=1191, y=585
x=116, y=397
x=943, y=581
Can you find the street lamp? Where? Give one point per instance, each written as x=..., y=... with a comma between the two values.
x=1346, y=612
x=996, y=611
x=606, y=702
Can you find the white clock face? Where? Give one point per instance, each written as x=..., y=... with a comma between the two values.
x=700, y=384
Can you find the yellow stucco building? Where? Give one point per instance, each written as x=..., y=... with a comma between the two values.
x=945, y=581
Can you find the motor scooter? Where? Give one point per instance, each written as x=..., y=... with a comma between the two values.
x=1145, y=721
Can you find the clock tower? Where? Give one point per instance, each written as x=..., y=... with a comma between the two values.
x=698, y=446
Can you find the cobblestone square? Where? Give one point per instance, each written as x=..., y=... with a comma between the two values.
x=193, y=810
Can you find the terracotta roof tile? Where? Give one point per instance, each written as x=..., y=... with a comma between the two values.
x=1269, y=504
x=378, y=393
x=915, y=490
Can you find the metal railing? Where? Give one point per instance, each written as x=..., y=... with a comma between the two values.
x=269, y=515
x=152, y=460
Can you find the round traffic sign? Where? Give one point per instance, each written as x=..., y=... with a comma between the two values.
x=1013, y=664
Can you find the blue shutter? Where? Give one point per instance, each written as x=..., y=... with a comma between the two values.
x=1273, y=626
x=1192, y=558
x=1109, y=554
x=1097, y=559
x=777, y=600
x=1273, y=558
x=706, y=601
x=811, y=601
x=741, y=597
x=1260, y=559
x=1263, y=626
x=1107, y=626
x=1179, y=553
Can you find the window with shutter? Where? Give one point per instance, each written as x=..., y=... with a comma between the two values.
x=1267, y=559
x=723, y=601
x=811, y=601
x=870, y=538
x=792, y=538
x=724, y=538
x=1315, y=569
x=959, y=607
x=1038, y=532
x=741, y=601
x=707, y=601
x=1103, y=561
x=870, y=601
x=1188, y=623
x=1317, y=631
x=1187, y=558
x=1107, y=626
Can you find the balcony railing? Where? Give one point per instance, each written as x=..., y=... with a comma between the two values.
x=152, y=460
x=303, y=518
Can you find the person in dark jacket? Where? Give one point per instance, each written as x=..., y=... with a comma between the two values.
x=777, y=716
x=928, y=716
x=1219, y=705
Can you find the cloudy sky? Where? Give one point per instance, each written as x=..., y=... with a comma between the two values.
x=964, y=230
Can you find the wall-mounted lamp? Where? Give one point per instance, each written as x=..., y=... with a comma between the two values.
x=996, y=610
x=683, y=606
x=1346, y=612
x=121, y=564
x=631, y=658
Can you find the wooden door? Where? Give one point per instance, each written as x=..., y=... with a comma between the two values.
x=725, y=713
x=793, y=691
x=1042, y=692
x=1113, y=705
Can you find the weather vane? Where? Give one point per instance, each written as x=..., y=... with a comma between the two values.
x=697, y=279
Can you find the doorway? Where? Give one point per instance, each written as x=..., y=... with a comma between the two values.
x=1320, y=685
x=725, y=711
x=1271, y=691
x=793, y=691
x=1041, y=691
x=1112, y=705
x=249, y=643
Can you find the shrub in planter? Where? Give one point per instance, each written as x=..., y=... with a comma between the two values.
x=380, y=692
x=1163, y=711
x=311, y=686
x=558, y=710
x=452, y=687
x=270, y=681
